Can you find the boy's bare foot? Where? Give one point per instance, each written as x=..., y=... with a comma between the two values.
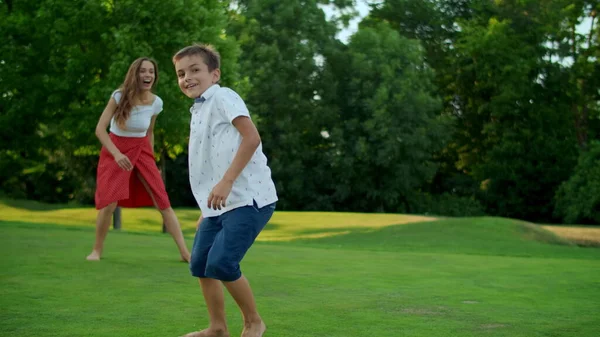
x=94, y=256
x=208, y=333
x=254, y=329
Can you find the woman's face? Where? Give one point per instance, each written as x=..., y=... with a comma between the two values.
x=147, y=76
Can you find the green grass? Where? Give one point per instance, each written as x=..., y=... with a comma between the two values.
x=314, y=274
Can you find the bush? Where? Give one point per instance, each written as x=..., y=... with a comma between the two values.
x=578, y=199
x=446, y=204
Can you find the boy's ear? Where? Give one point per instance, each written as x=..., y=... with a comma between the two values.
x=216, y=75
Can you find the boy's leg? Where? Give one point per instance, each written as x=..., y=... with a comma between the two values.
x=102, y=225
x=212, y=289
x=240, y=228
x=242, y=294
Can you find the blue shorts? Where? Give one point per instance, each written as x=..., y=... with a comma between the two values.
x=222, y=241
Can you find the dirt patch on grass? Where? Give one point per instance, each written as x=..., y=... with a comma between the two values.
x=584, y=236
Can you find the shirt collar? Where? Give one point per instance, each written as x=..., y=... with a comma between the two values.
x=207, y=94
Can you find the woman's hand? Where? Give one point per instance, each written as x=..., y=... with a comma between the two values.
x=218, y=197
x=123, y=161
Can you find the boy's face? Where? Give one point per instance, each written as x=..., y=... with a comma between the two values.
x=194, y=77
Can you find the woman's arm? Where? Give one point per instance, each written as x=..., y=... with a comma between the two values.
x=102, y=135
x=150, y=132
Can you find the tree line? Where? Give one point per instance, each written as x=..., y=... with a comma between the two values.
x=448, y=107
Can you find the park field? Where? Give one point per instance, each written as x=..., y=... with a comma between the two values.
x=314, y=274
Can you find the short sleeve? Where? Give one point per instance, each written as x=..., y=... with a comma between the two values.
x=231, y=105
x=116, y=95
x=158, y=106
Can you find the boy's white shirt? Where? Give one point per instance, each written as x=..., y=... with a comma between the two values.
x=214, y=142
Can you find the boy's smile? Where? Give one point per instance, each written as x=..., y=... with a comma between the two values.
x=193, y=75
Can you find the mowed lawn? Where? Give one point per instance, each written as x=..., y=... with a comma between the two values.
x=314, y=274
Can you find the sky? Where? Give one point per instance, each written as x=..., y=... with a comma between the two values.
x=344, y=34
x=363, y=9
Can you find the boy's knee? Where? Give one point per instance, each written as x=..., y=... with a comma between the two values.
x=223, y=269
x=197, y=266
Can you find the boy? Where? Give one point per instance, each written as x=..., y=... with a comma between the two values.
x=232, y=184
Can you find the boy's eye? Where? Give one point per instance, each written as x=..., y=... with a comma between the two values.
x=180, y=75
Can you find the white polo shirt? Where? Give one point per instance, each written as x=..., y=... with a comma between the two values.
x=214, y=142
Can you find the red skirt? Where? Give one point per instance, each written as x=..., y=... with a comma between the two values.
x=125, y=187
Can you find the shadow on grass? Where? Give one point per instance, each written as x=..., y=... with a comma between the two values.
x=49, y=226
x=44, y=226
x=31, y=205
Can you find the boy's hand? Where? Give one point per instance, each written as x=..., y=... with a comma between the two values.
x=218, y=197
x=199, y=222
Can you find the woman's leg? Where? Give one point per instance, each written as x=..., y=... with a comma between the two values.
x=171, y=222
x=102, y=225
x=173, y=227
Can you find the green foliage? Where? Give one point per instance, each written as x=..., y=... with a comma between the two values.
x=446, y=204
x=518, y=142
x=386, y=130
x=435, y=106
x=519, y=114
x=282, y=43
x=578, y=199
x=61, y=61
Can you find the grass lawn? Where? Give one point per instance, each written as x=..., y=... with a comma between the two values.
x=314, y=274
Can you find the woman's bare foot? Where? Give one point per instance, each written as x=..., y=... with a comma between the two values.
x=254, y=329
x=94, y=256
x=208, y=333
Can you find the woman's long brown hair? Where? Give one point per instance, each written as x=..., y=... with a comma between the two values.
x=131, y=89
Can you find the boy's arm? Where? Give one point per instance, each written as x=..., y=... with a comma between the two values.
x=250, y=142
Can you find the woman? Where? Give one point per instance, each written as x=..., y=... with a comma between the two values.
x=127, y=173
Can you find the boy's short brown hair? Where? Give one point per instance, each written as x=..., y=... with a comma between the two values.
x=210, y=56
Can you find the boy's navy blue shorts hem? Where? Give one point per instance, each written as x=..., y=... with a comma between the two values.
x=222, y=241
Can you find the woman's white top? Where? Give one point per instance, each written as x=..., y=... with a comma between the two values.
x=139, y=120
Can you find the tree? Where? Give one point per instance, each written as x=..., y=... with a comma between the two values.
x=581, y=50
x=61, y=61
x=386, y=131
x=512, y=101
x=283, y=46
x=578, y=199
